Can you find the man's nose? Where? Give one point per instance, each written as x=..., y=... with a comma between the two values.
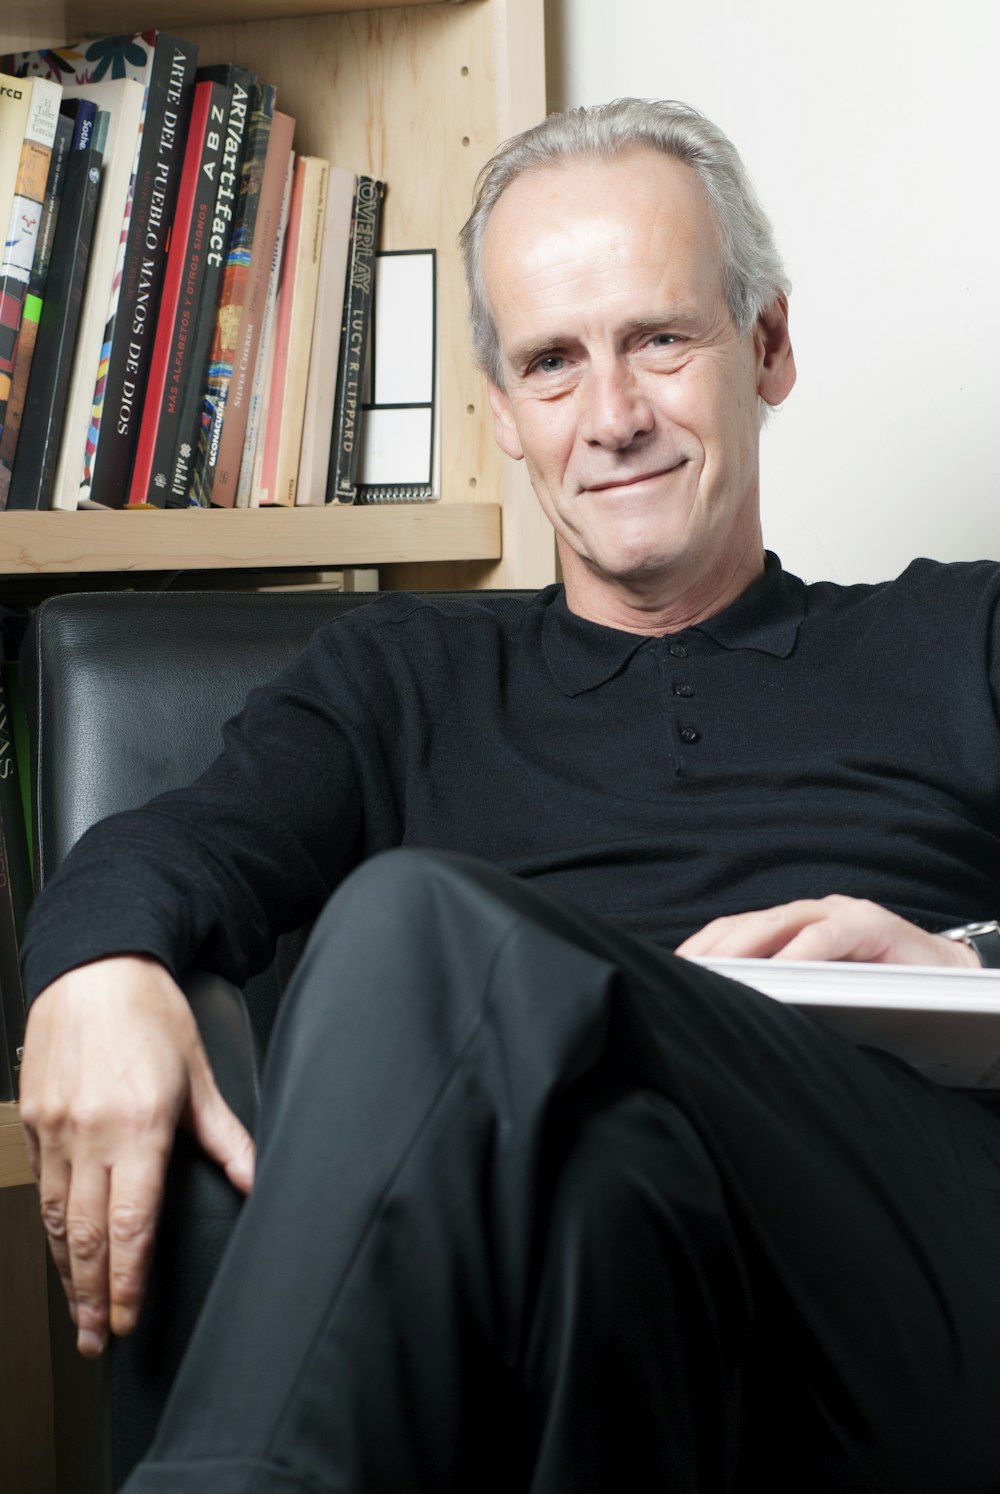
x=617, y=407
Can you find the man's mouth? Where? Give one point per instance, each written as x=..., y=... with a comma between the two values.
x=634, y=479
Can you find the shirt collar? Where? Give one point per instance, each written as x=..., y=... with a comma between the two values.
x=582, y=654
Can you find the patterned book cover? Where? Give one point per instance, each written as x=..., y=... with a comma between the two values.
x=23, y=225
x=239, y=84
x=15, y=101
x=165, y=68
x=229, y=312
x=33, y=300
x=267, y=235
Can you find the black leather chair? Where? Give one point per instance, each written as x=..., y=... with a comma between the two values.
x=126, y=693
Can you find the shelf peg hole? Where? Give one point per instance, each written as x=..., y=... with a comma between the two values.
x=465, y=140
x=470, y=409
x=472, y=482
x=465, y=72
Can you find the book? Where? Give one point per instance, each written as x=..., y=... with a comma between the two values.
x=321, y=391
x=239, y=85
x=128, y=340
x=396, y=464
x=224, y=465
x=34, y=473
x=354, y=334
x=293, y=331
x=257, y=411
x=186, y=254
x=15, y=102
x=232, y=297
x=942, y=1021
x=124, y=101
x=23, y=225
x=34, y=293
x=15, y=899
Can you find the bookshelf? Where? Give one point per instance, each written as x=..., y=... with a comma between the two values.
x=419, y=93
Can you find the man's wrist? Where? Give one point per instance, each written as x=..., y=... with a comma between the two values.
x=983, y=939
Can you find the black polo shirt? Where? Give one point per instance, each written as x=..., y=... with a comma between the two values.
x=806, y=740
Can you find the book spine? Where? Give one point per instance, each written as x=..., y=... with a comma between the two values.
x=229, y=312
x=293, y=331
x=354, y=335
x=15, y=899
x=130, y=345
x=48, y=391
x=15, y=102
x=33, y=302
x=23, y=226
x=239, y=85
x=226, y=470
x=257, y=412
x=84, y=114
x=122, y=100
x=321, y=392
x=178, y=302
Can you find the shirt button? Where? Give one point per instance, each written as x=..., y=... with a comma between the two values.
x=690, y=736
x=678, y=651
x=684, y=690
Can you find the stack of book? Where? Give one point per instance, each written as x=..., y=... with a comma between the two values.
x=168, y=257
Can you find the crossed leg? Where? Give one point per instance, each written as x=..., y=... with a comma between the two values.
x=540, y=1207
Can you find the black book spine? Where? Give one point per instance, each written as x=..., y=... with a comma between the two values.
x=239, y=84
x=354, y=335
x=15, y=899
x=48, y=387
x=185, y=313
x=61, y=146
x=158, y=174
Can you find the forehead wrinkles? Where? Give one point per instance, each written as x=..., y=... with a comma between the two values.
x=561, y=235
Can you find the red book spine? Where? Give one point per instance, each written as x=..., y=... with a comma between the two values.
x=194, y=204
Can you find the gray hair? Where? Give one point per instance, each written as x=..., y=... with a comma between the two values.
x=753, y=273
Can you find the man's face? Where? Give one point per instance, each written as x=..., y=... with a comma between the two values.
x=627, y=390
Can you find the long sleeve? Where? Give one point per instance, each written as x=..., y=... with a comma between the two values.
x=211, y=874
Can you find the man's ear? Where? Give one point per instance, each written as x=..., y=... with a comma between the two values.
x=775, y=359
x=504, y=427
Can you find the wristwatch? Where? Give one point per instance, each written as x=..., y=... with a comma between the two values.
x=984, y=938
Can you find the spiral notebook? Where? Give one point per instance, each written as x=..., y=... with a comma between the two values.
x=398, y=445
x=940, y=1020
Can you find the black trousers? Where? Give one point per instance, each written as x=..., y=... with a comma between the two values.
x=540, y=1207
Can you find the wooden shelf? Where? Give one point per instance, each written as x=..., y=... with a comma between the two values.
x=193, y=539
x=14, y=1169
x=70, y=20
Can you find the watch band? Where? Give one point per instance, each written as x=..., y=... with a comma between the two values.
x=984, y=938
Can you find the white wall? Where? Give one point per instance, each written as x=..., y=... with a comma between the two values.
x=871, y=130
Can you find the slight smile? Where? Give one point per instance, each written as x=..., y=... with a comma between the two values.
x=632, y=482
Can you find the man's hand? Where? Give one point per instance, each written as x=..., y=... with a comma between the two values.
x=112, y=1063
x=827, y=928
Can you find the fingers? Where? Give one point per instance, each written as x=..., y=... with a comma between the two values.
x=86, y=1243
x=53, y=1188
x=133, y=1209
x=110, y=1051
x=217, y=1129
x=829, y=928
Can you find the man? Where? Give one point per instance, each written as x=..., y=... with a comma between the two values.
x=539, y=1205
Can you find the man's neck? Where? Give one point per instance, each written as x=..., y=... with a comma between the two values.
x=659, y=605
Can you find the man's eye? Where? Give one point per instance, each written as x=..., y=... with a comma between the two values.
x=664, y=339
x=551, y=363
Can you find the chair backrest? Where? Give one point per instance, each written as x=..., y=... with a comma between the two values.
x=127, y=693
